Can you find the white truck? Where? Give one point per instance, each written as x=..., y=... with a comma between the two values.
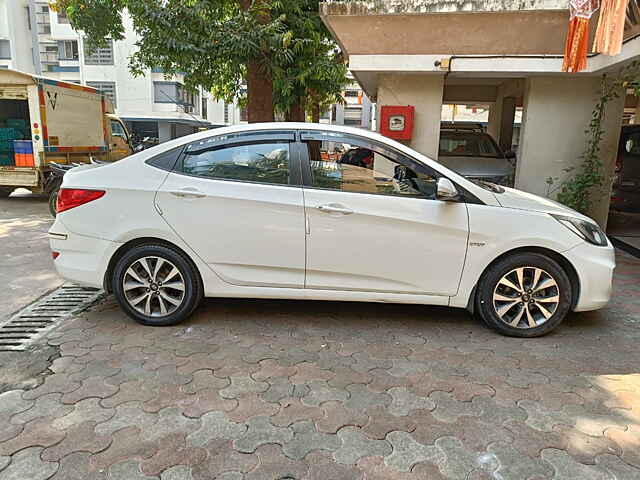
x=62, y=122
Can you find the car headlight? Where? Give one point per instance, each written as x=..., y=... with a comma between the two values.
x=586, y=230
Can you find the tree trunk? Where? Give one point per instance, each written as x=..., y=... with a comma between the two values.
x=315, y=112
x=259, y=94
x=296, y=112
x=259, y=81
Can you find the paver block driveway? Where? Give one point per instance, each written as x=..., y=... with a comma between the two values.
x=332, y=391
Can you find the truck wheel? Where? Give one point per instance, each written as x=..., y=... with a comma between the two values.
x=53, y=200
x=5, y=191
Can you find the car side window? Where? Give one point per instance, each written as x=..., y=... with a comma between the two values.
x=355, y=168
x=117, y=130
x=251, y=162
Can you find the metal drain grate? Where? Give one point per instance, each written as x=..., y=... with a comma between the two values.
x=40, y=317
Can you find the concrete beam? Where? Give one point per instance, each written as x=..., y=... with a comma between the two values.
x=469, y=93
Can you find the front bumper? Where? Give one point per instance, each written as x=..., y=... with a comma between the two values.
x=83, y=260
x=594, y=266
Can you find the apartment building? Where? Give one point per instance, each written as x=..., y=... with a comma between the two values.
x=36, y=39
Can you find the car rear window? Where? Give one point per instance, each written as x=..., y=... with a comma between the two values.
x=467, y=145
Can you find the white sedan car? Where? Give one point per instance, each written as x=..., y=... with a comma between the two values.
x=306, y=211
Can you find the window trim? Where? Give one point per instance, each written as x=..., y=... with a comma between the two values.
x=250, y=138
x=385, y=150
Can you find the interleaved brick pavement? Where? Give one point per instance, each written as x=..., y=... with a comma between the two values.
x=302, y=390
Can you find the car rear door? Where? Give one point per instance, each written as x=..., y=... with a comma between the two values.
x=237, y=201
x=375, y=225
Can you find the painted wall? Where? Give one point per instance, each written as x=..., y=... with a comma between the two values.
x=424, y=92
x=14, y=27
x=557, y=111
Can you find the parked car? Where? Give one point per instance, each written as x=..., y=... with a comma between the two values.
x=468, y=150
x=625, y=195
x=267, y=211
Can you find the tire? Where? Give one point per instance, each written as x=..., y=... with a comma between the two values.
x=53, y=200
x=527, y=304
x=167, y=305
x=6, y=191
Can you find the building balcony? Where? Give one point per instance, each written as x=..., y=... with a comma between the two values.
x=455, y=27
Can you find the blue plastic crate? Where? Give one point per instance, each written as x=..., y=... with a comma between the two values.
x=23, y=146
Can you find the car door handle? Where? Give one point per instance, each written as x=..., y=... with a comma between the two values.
x=188, y=193
x=334, y=208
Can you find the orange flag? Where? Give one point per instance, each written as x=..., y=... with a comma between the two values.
x=610, y=27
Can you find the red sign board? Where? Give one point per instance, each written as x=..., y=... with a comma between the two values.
x=396, y=121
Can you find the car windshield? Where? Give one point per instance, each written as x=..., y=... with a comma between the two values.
x=491, y=187
x=467, y=144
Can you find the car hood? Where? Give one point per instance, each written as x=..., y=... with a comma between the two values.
x=512, y=198
x=477, y=167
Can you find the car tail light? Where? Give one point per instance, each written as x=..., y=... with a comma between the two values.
x=74, y=197
x=55, y=255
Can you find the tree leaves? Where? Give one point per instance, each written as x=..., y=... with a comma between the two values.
x=211, y=41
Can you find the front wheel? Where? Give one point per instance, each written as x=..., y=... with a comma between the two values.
x=524, y=295
x=156, y=285
x=5, y=191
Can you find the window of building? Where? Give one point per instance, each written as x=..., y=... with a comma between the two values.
x=68, y=50
x=244, y=115
x=5, y=49
x=100, y=55
x=351, y=93
x=62, y=16
x=108, y=88
x=168, y=92
x=227, y=116
x=353, y=167
x=262, y=162
x=44, y=8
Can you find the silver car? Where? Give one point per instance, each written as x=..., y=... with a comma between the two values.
x=474, y=154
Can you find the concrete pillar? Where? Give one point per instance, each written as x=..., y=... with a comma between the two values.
x=503, y=111
x=557, y=111
x=164, y=131
x=424, y=92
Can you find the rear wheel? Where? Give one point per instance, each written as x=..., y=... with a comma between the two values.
x=156, y=285
x=524, y=295
x=5, y=191
x=53, y=200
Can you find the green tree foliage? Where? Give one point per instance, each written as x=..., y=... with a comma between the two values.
x=278, y=48
x=314, y=75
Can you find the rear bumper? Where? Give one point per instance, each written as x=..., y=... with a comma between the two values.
x=83, y=260
x=594, y=266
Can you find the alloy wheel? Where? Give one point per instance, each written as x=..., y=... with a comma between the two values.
x=153, y=286
x=526, y=297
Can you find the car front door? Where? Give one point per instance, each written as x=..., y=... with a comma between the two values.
x=238, y=203
x=373, y=223
x=119, y=141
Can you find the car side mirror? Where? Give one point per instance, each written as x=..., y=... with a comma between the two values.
x=509, y=154
x=446, y=190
